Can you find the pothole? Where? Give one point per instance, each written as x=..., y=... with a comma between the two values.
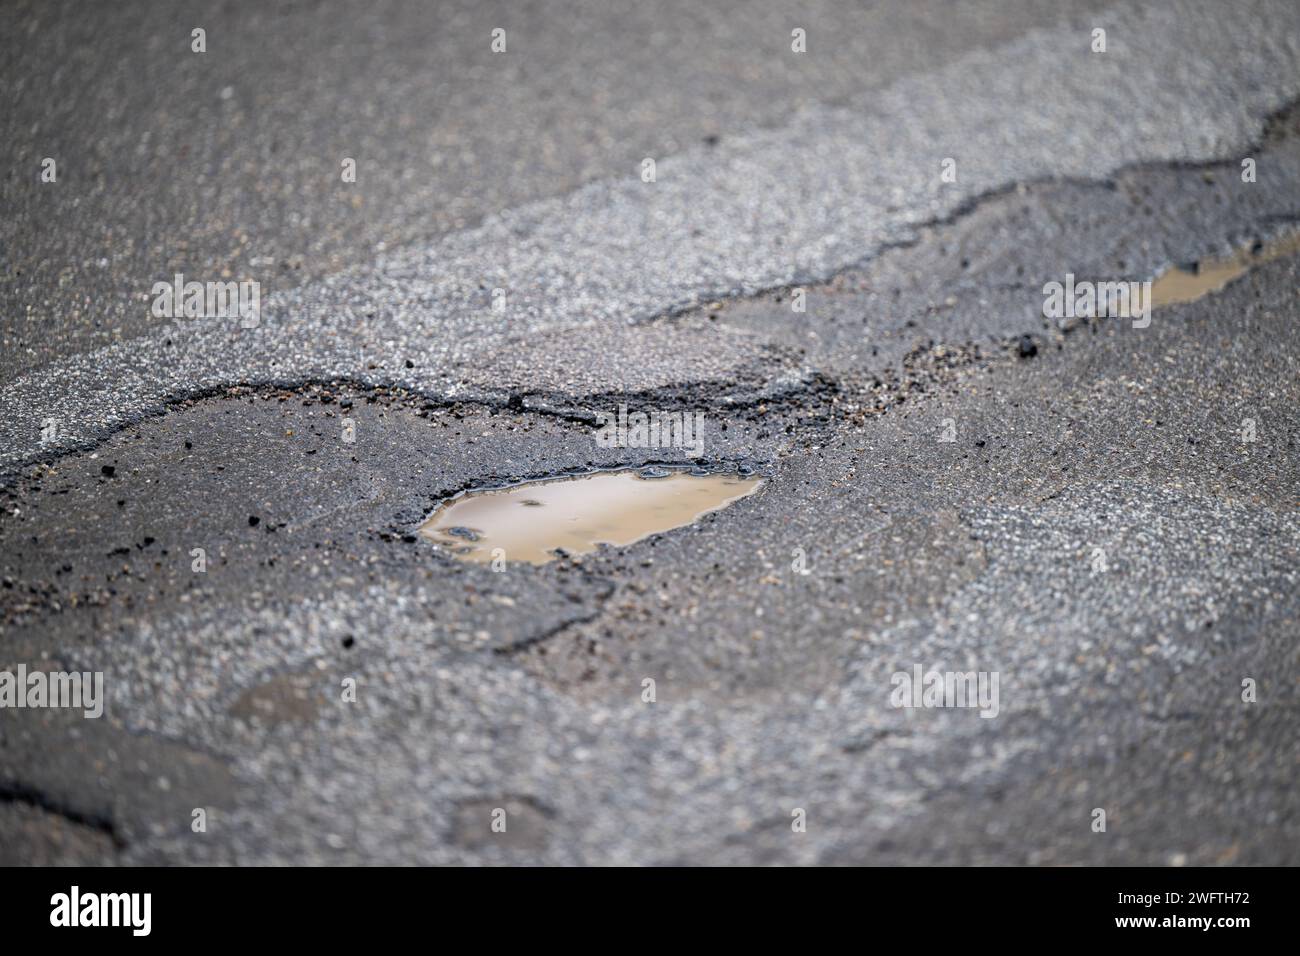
x=538, y=521
x=1180, y=285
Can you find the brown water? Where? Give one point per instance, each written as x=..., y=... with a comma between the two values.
x=1211, y=275
x=527, y=522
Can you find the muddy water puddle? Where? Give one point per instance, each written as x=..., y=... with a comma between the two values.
x=530, y=521
x=1180, y=285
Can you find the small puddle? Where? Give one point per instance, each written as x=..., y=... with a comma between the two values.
x=529, y=521
x=1181, y=285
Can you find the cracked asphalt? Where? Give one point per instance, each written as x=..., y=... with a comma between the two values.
x=1104, y=530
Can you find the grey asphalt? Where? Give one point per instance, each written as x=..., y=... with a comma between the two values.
x=166, y=174
x=1120, y=689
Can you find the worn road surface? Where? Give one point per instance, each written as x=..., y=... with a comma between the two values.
x=1104, y=514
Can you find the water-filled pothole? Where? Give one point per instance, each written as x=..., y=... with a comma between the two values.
x=1178, y=285
x=530, y=521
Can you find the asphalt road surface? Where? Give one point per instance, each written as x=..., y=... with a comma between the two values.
x=839, y=261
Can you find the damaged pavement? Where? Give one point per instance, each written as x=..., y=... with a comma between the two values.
x=1121, y=687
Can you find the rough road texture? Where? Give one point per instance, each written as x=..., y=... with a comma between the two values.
x=1121, y=688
